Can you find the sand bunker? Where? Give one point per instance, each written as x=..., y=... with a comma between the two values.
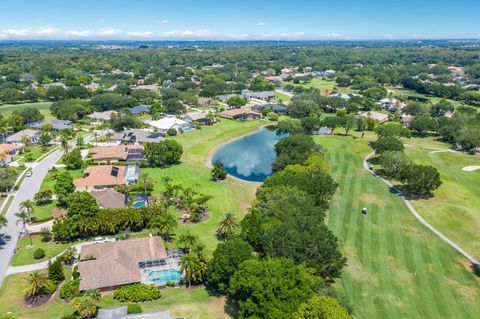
x=471, y=168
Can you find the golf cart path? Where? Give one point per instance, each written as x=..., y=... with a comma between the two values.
x=416, y=214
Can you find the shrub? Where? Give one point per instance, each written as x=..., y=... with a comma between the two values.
x=50, y=287
x=134, y=308
x=55, y=271
x=39, y=253
x=137, y=293
x=70, y=289
x=171, y=132
x=272, y=116
x=171, y=284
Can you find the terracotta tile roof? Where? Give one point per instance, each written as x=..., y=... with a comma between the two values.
x=7, y=148
x=236, y=112
x=119, y=152
x=116, y=263
x=102, y=175
x=109, y=198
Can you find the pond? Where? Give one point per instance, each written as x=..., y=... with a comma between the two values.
x=250, y=158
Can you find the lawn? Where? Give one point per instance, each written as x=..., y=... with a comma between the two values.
x=435, y=99
x=44, y=212
x=455, y=208
x=282, y=97
x=11, y=300
x=34, y=153
x=321, y=84
x=231, y=195
x=189, y=303
x=24, y=255
x=396, y=267
x=43, y=107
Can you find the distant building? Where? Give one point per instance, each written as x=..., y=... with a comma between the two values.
x=262, y=96
x=204, y=101
x=118, y=263
x=57, y=124
x=195, y=117
x=277, y=108
x=225, y=98
x=122, y=313
x=17, y=138
x=106, y=176
x=117, y=153
x=379, y=117
x=151, y=87
x=109, y=198
x=102, y=116
x=140, y=109
x=163, y=125
x=240, y=114
x=345, y=96
x=137, y=136
x=6, y=153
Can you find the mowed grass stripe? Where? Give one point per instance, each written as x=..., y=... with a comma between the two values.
x=387, y=246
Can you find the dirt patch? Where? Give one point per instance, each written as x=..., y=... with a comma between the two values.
x=471, y=168
x=356, y=269
x=213, y=309
x=369, y=198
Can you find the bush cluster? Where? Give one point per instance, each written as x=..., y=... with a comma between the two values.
x=137, y=293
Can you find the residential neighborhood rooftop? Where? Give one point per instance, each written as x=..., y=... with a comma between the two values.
x=117, y=262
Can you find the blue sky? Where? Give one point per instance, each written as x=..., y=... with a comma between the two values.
x=238, y=20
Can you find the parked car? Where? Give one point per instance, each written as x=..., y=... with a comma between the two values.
x=99, y=240
x=29, y=173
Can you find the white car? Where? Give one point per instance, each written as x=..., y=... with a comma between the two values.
x=99, y=240
x=29, y=173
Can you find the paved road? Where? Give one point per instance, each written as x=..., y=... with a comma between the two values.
x=417, y=215
x=26, y=190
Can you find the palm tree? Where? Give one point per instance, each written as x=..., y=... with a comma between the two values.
x=187, y=241
x=228, y=226
x=3, y=221
x=64, y=144
x=28, y=206
x=23, y=217
x=164, y=224
x=37, y=283
x=194, y=265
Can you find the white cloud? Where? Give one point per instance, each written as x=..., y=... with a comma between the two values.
x=109, y=32
x=78, y=33
x=260, y=24
x=187, y=34
x=46, y=31
x=331, y=35
x=236, y=35
x=146, y=34
x=291, y=35
x=14, y=33
x=164, y=21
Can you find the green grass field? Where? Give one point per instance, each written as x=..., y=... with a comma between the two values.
x=320, y=84
x=24, y=255
x=43, y=107
x=396, y=267
x=231, y=195
x=435, y=99
x=455, y=208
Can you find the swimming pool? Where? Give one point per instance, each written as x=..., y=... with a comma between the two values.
x=161, y=277
x=138, y=204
